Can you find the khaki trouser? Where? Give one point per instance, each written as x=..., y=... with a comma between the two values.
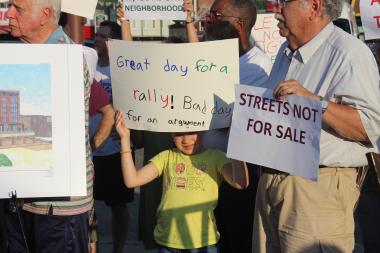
x=295, y=215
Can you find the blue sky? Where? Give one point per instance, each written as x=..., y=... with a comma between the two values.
x=33, y=82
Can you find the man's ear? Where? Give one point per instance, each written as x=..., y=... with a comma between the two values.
x=240, y=25
x=47, y=15
x=316, y=7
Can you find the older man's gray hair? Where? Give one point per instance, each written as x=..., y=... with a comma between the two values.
x=332, y=8
x=55, y=5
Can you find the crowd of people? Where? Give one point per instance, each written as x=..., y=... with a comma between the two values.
x=239, y=207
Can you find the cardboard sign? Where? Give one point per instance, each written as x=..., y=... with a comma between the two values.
x=283, y=135
x=42, y=124
x=370, y=15
x=154, y=9
x=266, y=35
x=174, y=87
x=83, y=8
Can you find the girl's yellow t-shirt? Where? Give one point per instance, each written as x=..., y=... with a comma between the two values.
x=185, y=218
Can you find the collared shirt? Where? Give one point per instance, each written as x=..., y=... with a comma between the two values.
x=254, y=69
x=341, y=68
x=76, y=205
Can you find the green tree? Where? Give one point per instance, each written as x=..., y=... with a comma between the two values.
x=4, y=160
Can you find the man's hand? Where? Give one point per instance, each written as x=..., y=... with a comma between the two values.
x=292, y=87
x=120, y=13
x=344, y=119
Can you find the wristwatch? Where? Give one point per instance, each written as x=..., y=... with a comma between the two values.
x=324, y=104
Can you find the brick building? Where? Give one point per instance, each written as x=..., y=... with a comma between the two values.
x=21, y=130
x=10, y=110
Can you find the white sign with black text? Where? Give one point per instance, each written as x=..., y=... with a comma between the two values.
x=174, y=87
x=283, y=135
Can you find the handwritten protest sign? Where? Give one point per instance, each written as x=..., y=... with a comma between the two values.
x=370, y=15
x=154, y=9
x=174, y=87
x=283, y=135
x=3, y=19
x=42, y=133
x=266, y=35
x=83, y=8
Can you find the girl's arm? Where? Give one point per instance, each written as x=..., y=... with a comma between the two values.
x=132, y=177
x=126, y=33
x=236, y=174
x=190, y=26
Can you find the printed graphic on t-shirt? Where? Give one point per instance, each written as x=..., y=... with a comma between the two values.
x=188, y=177
x=180, y=168
x=180, y=183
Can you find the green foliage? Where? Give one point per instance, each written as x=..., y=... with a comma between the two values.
x=4, y=160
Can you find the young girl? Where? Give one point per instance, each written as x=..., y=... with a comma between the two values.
x=191, y=176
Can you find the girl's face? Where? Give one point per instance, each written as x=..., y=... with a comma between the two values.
x=189, y=143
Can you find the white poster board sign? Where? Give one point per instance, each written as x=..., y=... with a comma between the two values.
x=42, y=133
x=370, y=15
x=275, y=134
x=154, y=9
x=83, y=8
x=266, y=35
x=174, y=87
x=3, y=19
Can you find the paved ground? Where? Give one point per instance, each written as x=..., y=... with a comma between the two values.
x=104, y=223
x=104, y=229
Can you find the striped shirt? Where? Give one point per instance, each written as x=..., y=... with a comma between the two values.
x=76, y=205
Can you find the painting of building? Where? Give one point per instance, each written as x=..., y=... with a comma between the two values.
x=18, y=130
x=25, y=121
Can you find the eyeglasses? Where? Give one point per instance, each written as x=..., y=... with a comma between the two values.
x=282, y=3
x=216, y=15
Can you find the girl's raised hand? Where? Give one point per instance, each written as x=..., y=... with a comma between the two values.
x=121, y=126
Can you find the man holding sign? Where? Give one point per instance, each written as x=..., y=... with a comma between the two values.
x=320, y=62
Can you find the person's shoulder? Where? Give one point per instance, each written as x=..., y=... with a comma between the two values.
x=172, y=152
x=90, y=55
x=256, y=55
x=255, y=67
x=348, y=45
x=216, y=153
x=91, y=58
x=163, y=157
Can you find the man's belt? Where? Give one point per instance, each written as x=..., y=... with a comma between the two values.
x=322, y=167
